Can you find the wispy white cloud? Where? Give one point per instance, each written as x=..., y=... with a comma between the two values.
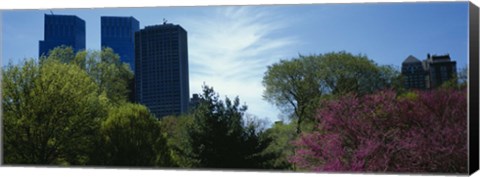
x=230, y=49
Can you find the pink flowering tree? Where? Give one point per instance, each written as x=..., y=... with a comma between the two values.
x=423, y=131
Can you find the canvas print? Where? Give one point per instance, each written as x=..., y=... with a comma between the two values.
x=347, y=88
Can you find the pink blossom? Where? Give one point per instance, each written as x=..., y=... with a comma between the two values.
x=384, y=132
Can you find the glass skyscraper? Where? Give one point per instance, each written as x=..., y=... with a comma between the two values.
x=68, y=30
x=118, y=33
x=161, y=69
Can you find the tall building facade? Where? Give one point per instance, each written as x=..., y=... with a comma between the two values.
x=414, y=72
x=161, y=69
x=441, y=68
x=429, y=73
x=118, y=33
x=68, y=30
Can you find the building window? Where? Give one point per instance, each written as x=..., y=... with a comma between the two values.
x=443, y=68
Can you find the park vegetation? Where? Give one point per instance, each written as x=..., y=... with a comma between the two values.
x=345, y=113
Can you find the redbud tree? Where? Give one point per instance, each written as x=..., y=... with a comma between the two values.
x=422, y=131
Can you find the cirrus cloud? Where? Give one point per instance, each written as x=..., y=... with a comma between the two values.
x=230, y=49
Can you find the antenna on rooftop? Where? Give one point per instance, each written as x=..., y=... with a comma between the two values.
x=164, y=21
x=51, y=12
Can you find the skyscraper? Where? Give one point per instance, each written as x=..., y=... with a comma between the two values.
x=161, y=69
x=68, y=30
x=118, y=33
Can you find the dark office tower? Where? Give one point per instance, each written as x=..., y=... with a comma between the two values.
x=161, y=69
x=414, y=73
x=118, y=33
x=441, y=68
x=68, y=30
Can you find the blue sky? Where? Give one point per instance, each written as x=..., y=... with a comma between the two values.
x=230, y=47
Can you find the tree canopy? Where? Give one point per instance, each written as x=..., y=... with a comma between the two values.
x=54, y=109
x=220, y=138
x=112, y=76
x=296, y=86
x=132, y=137
x=50, y=111
x=346, y=113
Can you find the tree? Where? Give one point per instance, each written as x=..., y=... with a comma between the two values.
x=51, y=111
x=282, y=135
x=132, y=137
x=458, y=81
x=219, y=137
x=174, y=128
x=421, y=131
x=293, y=85
x=105, y=68
x=462, y=76
x=297, y=85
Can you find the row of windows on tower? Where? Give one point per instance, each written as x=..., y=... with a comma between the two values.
x=61, y=21
x=160, y=77
x=116, y=32
x=60, y=30
x=118, y=21
x=165, y=43
x=164, y=59
x=160, y=71
x=161, y=37
x=154, y=96
x=160, y=51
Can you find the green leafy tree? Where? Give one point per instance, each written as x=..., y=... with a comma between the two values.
x=293, y=86
x=458, y=81
x=282, y=134
x=112, y=76
x=220, y=138
x=296, y=86
x=132, y=137
x=174, y=128
x=50, y=113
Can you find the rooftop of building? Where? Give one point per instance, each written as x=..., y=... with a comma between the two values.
x=64, y=18
x=117, y=17
x=439, y=58
x=411, y=59
x=165, y=26
x=60, y=15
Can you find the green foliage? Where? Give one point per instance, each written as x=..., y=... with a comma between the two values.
x=462, y=76
x=390, y=77
x=297, y=85
x=174, y=128
x=411, y=96
x=47, y=118
x=62, y=54
x=132, y=137
x=282, y=135
x=54, y=109
x=292, y=86
x=220, y=138
x=458, y=81
x=113, y=77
